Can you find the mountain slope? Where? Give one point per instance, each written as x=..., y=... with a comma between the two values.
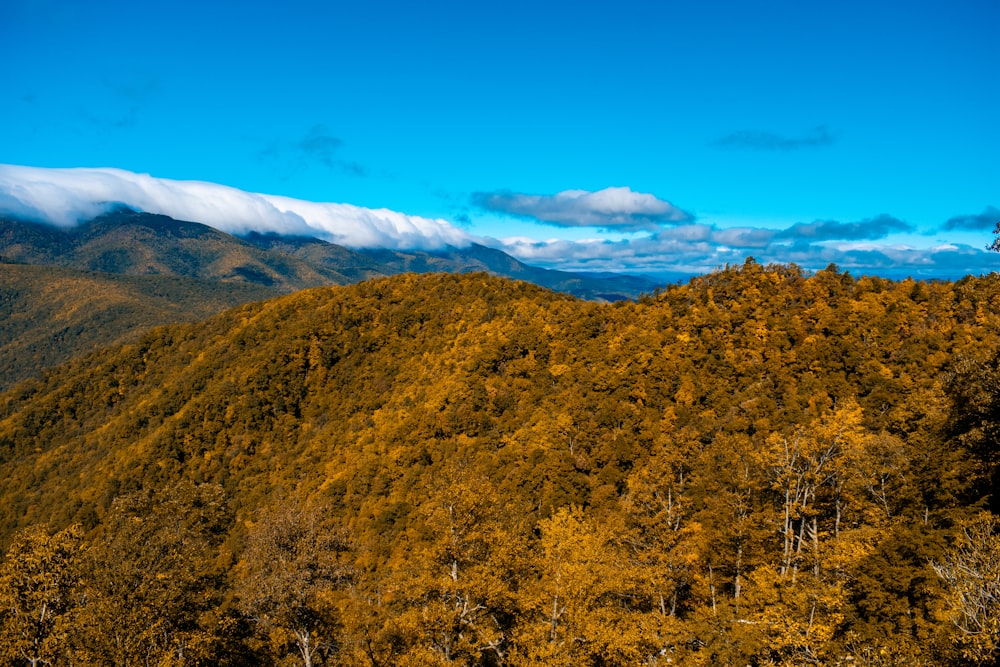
x=655, y=453
x=51, y=314
x=495, y=356
x=489, y=354
x=55, y=321
x=131, y=243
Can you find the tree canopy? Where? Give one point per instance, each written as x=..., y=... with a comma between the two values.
x=757, y=467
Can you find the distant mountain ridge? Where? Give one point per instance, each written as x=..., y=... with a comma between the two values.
x=135, y=243
x=129, y=243
x=65, y=291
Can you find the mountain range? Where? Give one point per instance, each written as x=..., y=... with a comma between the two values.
x=112, y=277
x=134, y=243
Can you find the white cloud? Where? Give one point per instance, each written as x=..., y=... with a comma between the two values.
x=619, y=209
x=64, y=197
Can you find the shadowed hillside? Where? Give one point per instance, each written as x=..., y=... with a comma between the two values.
x=52, y=314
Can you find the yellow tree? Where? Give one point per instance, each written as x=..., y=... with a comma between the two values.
x=819, y=474
x=37, y=582
x=290, y=572
x=662, y=538
x=149, y=590
x=832, y=486
x=577, y=611
x=732, y=541
x=453, y=596
x=971, y=574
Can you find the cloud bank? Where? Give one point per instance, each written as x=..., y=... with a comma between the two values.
x=618, y=209
x=862, y=247
x=986, y=221
x=823, y=230
x=65, y=197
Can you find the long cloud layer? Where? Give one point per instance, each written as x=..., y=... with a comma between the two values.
x=66, y=196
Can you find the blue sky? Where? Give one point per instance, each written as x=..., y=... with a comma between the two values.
x=633, y=136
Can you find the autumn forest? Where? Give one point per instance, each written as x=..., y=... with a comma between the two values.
x=761, y=466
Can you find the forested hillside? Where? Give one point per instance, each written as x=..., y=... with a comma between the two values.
x=757, y=467
x=51, y=314
x=133, y=243
x=109, y=279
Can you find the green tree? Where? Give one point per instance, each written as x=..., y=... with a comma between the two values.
x=995, y=246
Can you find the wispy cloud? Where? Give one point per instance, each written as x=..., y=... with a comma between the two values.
x=321, y=146
x=318, y=146
x=983, y=222
x=763, y=140
x=618, y=209
x=66, y=196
